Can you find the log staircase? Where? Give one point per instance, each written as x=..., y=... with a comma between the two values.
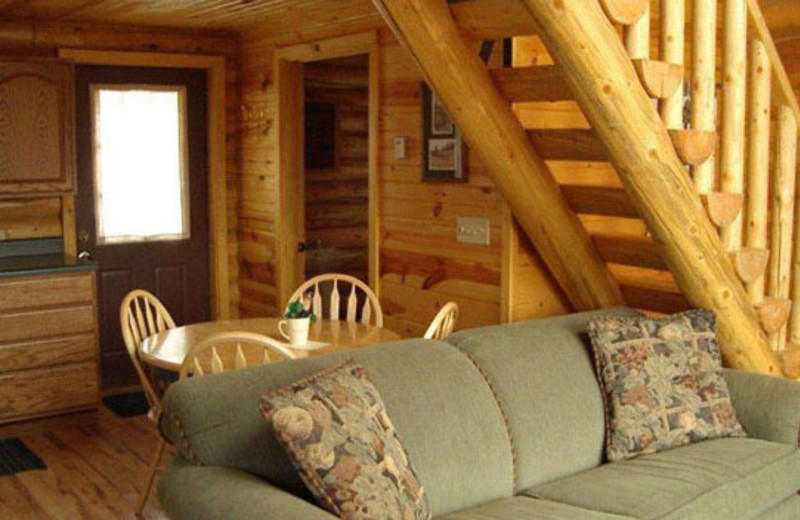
x=711, y=175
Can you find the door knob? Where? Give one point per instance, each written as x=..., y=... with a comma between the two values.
x=84, y=255
x=309, y=245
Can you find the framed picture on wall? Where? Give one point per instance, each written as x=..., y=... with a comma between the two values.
x=443, y=150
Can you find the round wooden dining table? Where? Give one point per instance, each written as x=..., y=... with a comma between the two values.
x=167, y=350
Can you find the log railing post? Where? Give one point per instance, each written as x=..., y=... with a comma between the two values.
x=604, y=82
x=637, y=37
x=673, y=20
x=488, y=124
x=704, y=100
x=734, y=70
x=782, y=213
x=758, y=124
x=794, y=317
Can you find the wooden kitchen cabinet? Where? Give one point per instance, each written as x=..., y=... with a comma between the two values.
x=37, y=153
x=48, y=345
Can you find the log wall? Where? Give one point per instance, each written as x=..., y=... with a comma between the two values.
x=337, y=124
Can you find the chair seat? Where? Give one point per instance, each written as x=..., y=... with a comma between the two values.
x=727, y=479
x=527, y=508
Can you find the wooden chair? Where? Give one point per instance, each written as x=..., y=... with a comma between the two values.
x=141, y=316
x=239, y=349
x=444, y=322
x=371, y=308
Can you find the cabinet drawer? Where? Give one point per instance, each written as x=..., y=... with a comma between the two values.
x=45, y=291
x=47, y=323
x=47, y=353
x=48, y=390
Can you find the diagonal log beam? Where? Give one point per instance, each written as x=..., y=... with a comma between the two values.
x=596, y=66
x=492, y=130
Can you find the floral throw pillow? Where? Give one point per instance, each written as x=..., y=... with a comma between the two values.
x=662, y=382
x=335, y=429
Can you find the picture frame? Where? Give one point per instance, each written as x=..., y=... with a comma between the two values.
x=443, y=151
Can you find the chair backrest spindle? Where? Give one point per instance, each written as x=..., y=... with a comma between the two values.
x=137, y=325
x=210, y=355
x=444, y=322
x=370, y=311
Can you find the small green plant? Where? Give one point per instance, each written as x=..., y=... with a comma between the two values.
x=297, y=310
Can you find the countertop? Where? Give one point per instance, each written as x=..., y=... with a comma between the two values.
x=42, y=264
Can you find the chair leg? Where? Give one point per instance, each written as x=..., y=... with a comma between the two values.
x=151, y=475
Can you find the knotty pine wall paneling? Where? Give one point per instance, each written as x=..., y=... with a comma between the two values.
x=421, y=264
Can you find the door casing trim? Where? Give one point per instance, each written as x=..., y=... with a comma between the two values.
x=217, y=159
x=287, y=69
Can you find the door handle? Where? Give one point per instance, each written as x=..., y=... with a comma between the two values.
x=85, y=255
x=309, y=245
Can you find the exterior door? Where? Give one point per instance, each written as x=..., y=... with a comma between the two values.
x=142, y=196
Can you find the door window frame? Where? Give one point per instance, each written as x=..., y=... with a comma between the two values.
x=183, y=144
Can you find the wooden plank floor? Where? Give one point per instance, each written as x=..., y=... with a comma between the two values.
x=93, y=472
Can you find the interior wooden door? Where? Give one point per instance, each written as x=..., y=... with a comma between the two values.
x=142, y=195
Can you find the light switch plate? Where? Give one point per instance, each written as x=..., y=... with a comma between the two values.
x=399, y=147
x=470, y=230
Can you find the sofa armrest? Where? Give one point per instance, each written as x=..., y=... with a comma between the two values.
x=190, y=492
x=768, y=407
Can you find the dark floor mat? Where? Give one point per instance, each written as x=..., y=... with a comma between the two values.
x=127, y=405
x=16, y=457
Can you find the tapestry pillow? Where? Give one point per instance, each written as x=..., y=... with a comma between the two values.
x=662, y=382
x=335, y=428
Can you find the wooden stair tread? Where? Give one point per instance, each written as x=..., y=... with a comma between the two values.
x=694, y=147
x=593, y=200
x=492, y=19
x=654, y=300
x=773, y=313
x=536, y=83
x=636, y=252
x=625, y=12
x=750, y=263
x=568, y=145
x=722, y=208
x=659, y=78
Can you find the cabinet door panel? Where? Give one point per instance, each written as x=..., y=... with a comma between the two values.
x=36, y=125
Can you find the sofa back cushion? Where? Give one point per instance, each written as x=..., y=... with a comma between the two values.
x=441, y=406
x=543, y=375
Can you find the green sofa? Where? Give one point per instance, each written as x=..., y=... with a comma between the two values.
x=501, y=423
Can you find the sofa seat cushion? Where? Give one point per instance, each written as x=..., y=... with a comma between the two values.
x=731, y=478
x=527, y=508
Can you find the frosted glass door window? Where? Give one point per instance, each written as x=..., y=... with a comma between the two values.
x=140, y=163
